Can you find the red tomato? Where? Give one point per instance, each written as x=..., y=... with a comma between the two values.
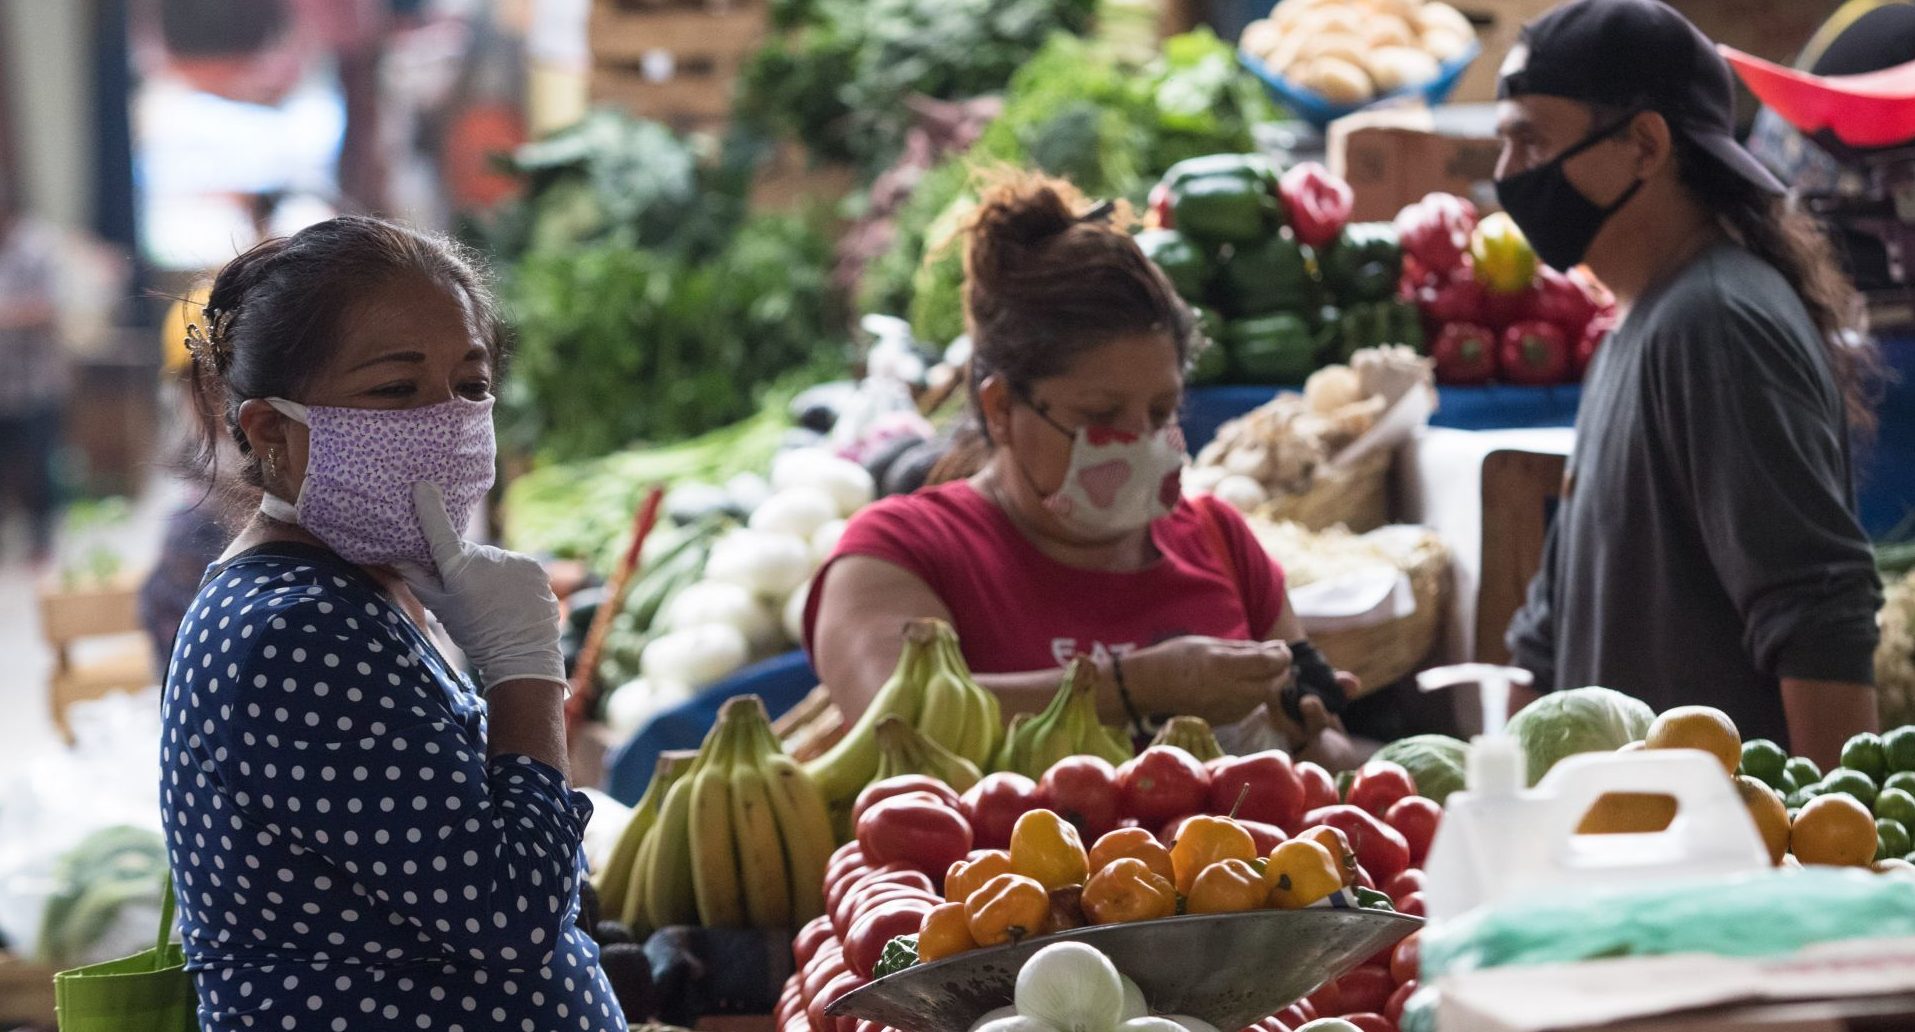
x=1411, y=904
x=1416, y=818
x=846, y=857
x=878, y=791
x=1305, y=1011
x=1404, y=884
x=1083, y=791
x=1319, y=788
x=1378, y=785
x=1379, y=848
x=844, y=983
x=1404, y=960
x=898, y=875
x=1326, y=1001
x=1394, y=1011
x=1266, y=836
x=877, y=925
x=994, y=804
x=813, y=935
x=916, y=830
x=1162, y=782
x=1275, y=793
x=1371, y=1022
x=868, y=895
x=1363, y=991
x=827, y=965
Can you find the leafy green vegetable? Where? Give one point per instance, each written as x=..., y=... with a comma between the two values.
x=900, y=953
x=109, y=870
x=1435, y=762
x=1581, y=720
x=1078, y=108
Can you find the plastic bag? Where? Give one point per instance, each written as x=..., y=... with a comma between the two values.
x=1767, y=913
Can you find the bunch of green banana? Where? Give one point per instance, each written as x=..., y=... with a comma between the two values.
x=1066, y=727
x=903, y=749
x=1192, y=735
x=741, y=839
x=618, y=888
x=931, y=689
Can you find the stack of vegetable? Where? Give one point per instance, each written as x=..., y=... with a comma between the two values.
x=1285, y=282
x=1491, y=311
x=1352, y=51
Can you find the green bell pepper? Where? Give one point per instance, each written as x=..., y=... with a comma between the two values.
x=1376, y=323
x=1182, y=262
x=1363, y=263
x=1224, y=198
x=1269, y=276
x=1271, y=349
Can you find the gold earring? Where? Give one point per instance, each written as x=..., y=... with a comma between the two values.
x=272, y=465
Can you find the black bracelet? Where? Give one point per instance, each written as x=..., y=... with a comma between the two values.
x=1123, y=694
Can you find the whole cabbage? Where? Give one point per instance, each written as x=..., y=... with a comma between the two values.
x=1577, y=721
x=1435, y=763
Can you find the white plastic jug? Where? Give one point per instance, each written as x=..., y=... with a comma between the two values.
x=1499, y=841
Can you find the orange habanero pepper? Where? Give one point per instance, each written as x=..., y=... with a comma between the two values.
x=1132, y=842
x=1126, y=889
x=1204, y=841
x=945, y=932
x=965, y=876
x=1226, y=887
x=1300, y=872
x=1007, y=908
x=1047, y=848
x=1337, y=844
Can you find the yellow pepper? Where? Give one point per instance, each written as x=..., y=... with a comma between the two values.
x=1126, y=889
x=945, y=932
x=965, y=876
x=1501, y=255
x=1337, y=844
x=1226, y=887
x=1046, y=847
x=1299, y=873
x=1132, y=842
x=1007, y=908
x=1204, y=841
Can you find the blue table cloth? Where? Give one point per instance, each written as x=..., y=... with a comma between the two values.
x=782, y=681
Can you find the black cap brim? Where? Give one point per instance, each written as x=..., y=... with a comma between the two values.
x=1736, y=158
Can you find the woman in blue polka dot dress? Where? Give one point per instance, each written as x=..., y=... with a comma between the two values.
x=359, y=839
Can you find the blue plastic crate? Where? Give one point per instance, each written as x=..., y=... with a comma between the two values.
x=1312, y=107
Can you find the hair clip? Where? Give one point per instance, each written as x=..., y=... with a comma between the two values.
x=1101, y=213
x=212, y=342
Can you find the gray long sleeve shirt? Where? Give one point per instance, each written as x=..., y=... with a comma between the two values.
x=1707, y=546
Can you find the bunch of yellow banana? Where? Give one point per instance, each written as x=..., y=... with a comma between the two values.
x=1191, y=734
x=741, y=838
x=1066, y=727
x=617, y=883
x=932, y=691
x=903, y=749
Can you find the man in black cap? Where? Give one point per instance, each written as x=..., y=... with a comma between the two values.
x=1706, y=550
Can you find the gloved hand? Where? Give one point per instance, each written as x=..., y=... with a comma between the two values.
x=497, y=605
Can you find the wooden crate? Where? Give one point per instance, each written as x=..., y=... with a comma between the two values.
x=678, y=64
x=72, y=621
x=1774, y=29
x=26, y=992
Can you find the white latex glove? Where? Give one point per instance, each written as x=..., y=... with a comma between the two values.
x=497, y=605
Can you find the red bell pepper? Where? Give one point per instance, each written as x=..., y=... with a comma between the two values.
x=1436, y=230
x=1501, y=311
x=1465, y=353
x=1317, y=201
x=1593, y=336
x=1455, y=298
x=1380, y=849
x=1160, y=204
x=1563, y=301
x=1535, y=352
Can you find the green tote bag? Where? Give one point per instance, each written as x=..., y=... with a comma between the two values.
x=149, y=991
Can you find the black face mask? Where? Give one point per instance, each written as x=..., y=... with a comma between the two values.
x=1558, y=220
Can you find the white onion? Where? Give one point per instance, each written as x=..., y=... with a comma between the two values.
x=1071, y=986
x=794, y=613
x=1135, y=1006
x=849, y=484
x=721, y=602
x=748, y=491
x=1194, y=1024
x=798, y=511
x=824, y=540
x=771, y=565
x=993, y=1015
x=696, y=656
x=637, y=701
x=1017, y=1023
x=1150, y=1024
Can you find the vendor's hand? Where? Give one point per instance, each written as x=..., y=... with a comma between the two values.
x=497, y=605
x=1320, y=736
x=1215, y=678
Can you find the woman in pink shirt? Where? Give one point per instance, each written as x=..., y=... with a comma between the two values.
x=1065, y=533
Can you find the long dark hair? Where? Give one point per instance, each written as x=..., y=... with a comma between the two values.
x=275, y=314
x=1043, y=284
x=1791, y=240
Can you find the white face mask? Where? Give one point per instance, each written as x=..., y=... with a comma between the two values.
x=1118, y=481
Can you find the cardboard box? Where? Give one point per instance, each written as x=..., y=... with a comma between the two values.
x=1836, y=987
x=1392, y=157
